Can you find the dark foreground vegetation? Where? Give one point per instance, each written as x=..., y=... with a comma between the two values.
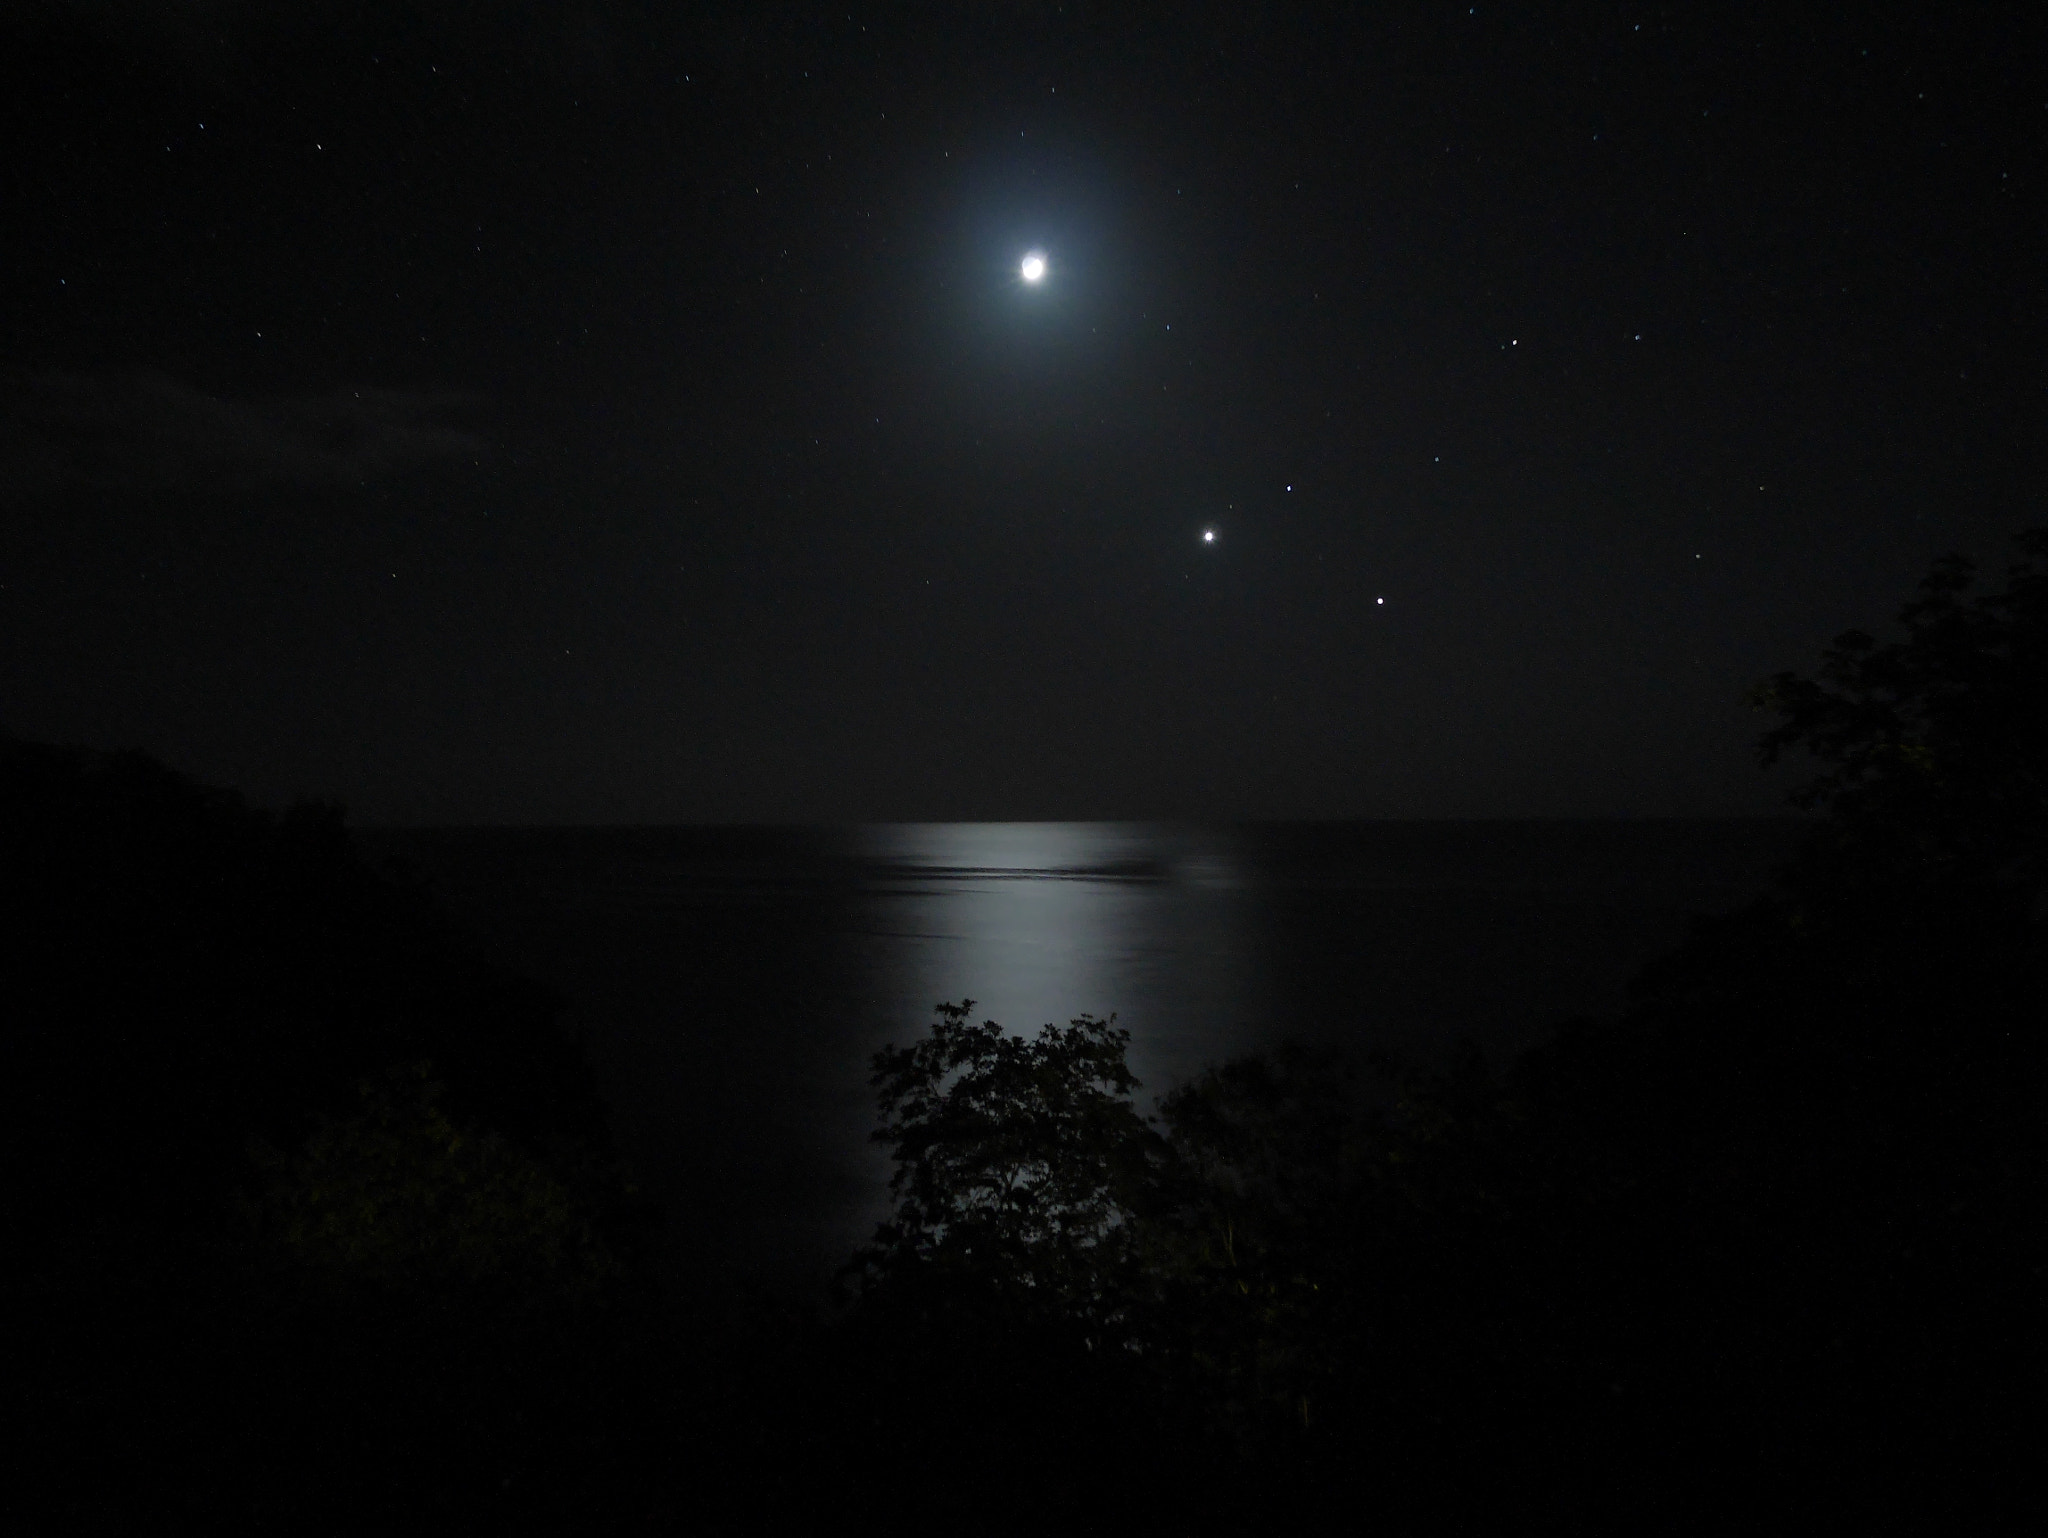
x=313, y=1223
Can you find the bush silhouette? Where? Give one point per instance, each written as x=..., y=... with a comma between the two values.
x=396, y=1204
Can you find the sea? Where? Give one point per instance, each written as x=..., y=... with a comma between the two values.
x=734, y=983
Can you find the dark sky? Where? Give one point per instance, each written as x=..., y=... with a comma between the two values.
x=633, y=412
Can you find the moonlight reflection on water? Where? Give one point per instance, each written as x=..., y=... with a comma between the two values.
x=734, y=982
x=1041, y=922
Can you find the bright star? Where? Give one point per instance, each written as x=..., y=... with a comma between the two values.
x=1034, y=267
x=1208, y=536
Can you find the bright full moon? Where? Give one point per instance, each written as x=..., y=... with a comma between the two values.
x=1034, y=267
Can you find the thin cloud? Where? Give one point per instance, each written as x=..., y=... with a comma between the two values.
x=148, y=432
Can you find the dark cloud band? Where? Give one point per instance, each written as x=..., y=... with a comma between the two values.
x=150, y=432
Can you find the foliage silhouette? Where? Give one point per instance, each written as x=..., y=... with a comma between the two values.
x=1017, y=1163
x=994, y=1322
x=1934, y=746
x=395, y=1203
x=1268, y=1159
x=1764, y=1251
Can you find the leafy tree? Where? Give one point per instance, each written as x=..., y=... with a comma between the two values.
x=996, y=1317
x=395, y=1204
x=1896, y=979
x=1827, y=1103
x=1270, y=1160
x=1935, y=746
x=1020, y=1165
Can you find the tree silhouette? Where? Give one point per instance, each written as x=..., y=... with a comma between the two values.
x=1019, y=1164
x=396, y=1205
x=1935, y=746
x=1270, y=1162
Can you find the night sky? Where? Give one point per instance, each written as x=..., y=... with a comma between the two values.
x=635, y=412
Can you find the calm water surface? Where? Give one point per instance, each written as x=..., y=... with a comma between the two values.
x=734, y=982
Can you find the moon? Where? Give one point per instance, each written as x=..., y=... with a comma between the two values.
x=1034, y=268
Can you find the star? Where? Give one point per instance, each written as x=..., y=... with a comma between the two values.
x=1208, y=536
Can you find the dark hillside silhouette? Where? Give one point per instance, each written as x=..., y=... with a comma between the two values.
x=184, y=973
x=307, y=1210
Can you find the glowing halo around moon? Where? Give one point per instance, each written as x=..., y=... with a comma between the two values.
x=1034, y=267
